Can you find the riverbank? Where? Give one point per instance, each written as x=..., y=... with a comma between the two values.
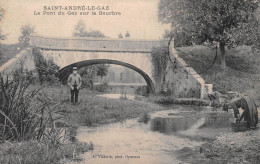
x=237, y=147
x=95, y=110
x=28, y=131
x=41, y=152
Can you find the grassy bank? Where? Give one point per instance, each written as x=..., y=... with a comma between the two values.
x=43, y=152
x=178, y=101
x=93, y=109
x=242, y=73
x=27, y=126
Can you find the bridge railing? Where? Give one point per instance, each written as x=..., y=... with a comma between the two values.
x=98, y=44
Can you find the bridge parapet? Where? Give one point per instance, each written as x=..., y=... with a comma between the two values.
x=96, y=44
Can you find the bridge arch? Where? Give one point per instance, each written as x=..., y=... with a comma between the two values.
x=64, y=72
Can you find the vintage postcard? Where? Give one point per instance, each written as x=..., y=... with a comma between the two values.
x=129, y=81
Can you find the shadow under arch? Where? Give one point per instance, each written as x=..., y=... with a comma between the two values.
x=64, y=72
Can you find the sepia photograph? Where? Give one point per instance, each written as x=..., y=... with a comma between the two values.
x=129, y=81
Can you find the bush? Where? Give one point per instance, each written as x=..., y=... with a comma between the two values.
x=171, y=100
x=87, y=74
x=160, y=58
x=101, y=88
x=141, y=90
x=47, y=70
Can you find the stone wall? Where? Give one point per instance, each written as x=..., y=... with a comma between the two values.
x=181, y=80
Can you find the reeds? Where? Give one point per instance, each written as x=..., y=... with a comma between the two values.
x=24, y=113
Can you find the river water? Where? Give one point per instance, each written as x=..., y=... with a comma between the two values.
x=170, y=136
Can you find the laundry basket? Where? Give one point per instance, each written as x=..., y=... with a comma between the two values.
x=239, y=126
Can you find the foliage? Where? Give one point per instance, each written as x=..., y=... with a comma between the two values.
x=180, y=38
x=80, y=31
x=95, y=33
x=242, y=72
x=26, y=31
x=25, y=114
x=87, y=74
x=101, y=88
x=28, y=115
x=47, y=70
x=171, y=100
x=160, y=58
x=212, y=20
x=102, y=70
x=2, y=36
x=141, y=90
x=144, y=118
x=248, y=33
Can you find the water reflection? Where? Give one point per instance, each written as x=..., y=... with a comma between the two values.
x=118, y=96
x=158, y=141
x=190, y=120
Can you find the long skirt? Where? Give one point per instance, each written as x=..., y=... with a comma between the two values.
x=252, y=115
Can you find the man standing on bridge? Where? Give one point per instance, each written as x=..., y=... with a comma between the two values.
x=74, y=82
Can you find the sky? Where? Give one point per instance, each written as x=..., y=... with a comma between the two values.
x=139, y=17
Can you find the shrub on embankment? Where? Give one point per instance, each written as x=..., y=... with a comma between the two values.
x=159, y=60
x=47, y=70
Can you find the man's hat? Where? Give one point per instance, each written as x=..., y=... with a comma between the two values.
x=75, y=68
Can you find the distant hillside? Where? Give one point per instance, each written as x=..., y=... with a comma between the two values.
x=8, y=51
x=243, y=68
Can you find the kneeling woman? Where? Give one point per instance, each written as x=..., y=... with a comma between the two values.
x=250, y=113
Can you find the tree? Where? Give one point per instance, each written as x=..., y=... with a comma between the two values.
x=88, y=75
x=47, y=70
x=208, y=20
x=26, y=31
x=80, y=31
x=180, y=38
x=102, y=70
x=2, y=35
x=248, y=33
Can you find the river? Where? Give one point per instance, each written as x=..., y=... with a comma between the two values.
x=170, y=136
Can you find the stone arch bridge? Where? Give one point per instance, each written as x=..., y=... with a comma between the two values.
x=182, y=80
